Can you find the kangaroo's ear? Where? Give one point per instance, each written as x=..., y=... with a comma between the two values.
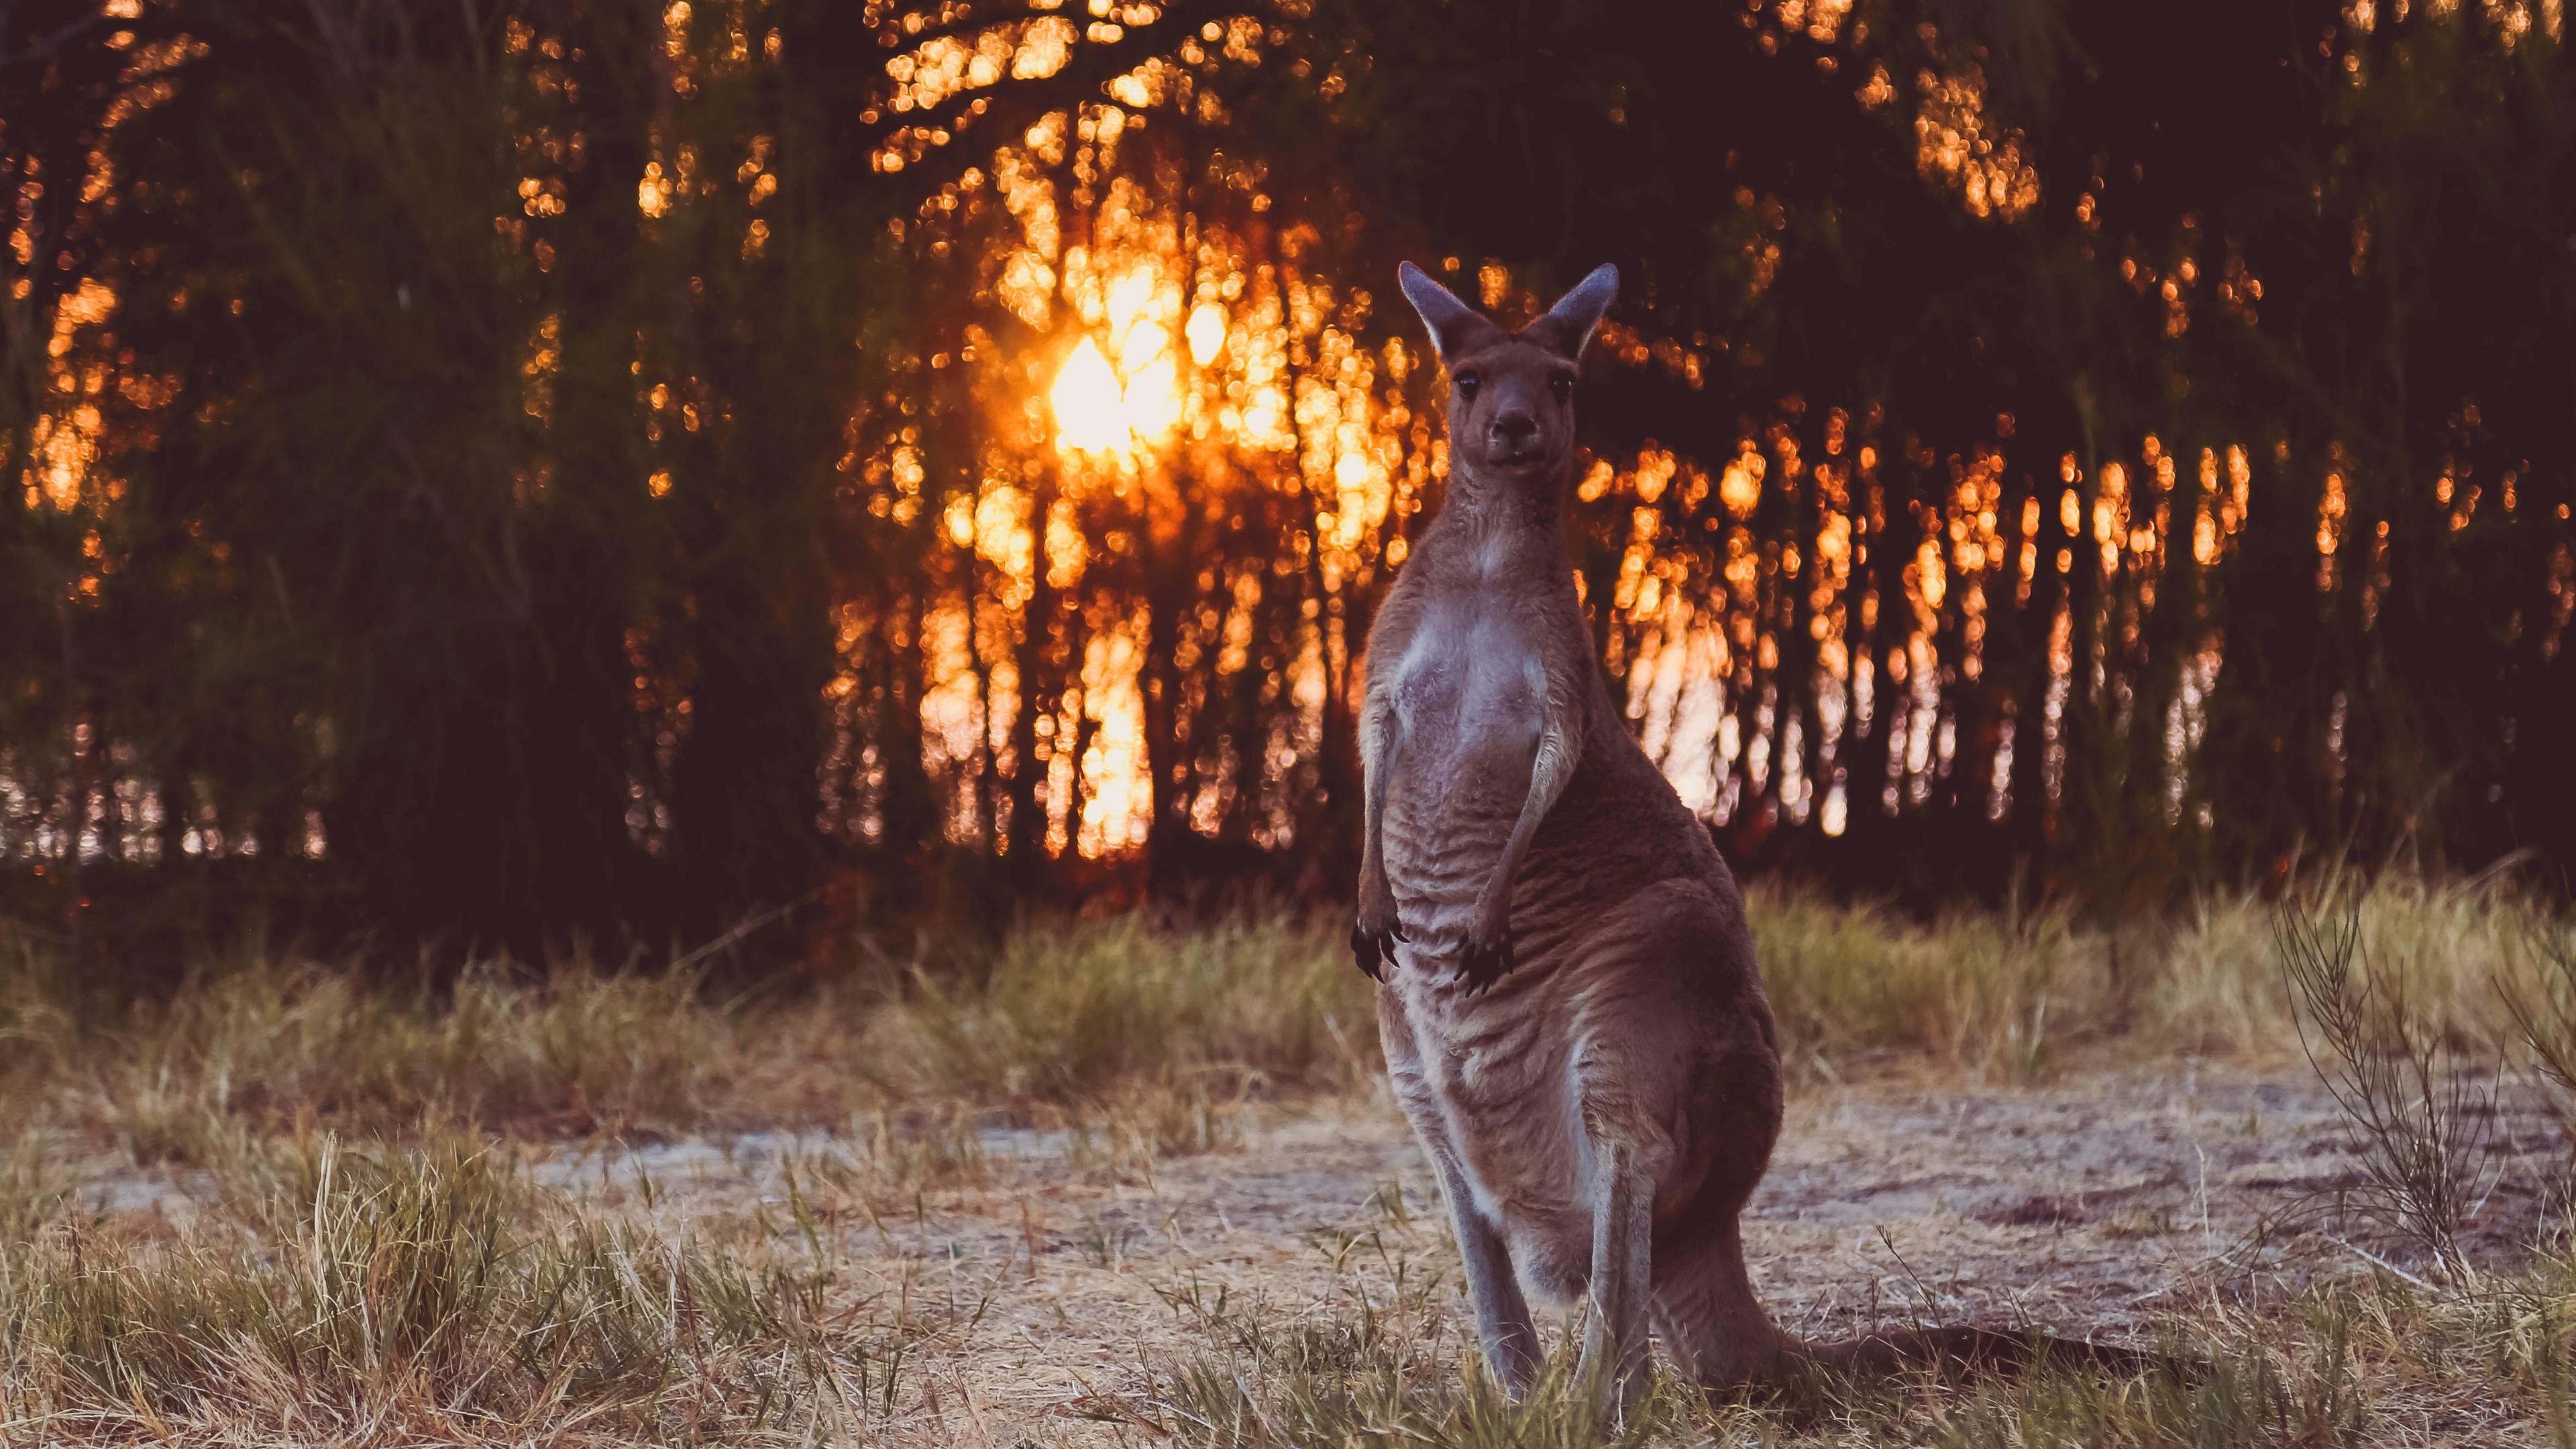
x=1568, y=325
x=1454, y=325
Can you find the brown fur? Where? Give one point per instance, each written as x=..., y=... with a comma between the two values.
x=1573, y=1019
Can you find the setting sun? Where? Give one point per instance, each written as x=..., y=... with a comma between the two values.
x=1089, y=405
x=1096, y=411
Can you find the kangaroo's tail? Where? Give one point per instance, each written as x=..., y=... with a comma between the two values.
x=1971, y=1351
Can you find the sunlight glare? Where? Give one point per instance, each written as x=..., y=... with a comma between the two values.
x=1153, y=400
x=1090, y=410
x=1143, y=343
x=1097, y=412
x=1206, y=332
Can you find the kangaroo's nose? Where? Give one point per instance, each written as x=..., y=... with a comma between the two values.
x=1515, y=428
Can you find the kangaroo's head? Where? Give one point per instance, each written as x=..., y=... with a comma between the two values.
x=1511, y=394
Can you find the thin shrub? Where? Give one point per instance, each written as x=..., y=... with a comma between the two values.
x=2417, y=1109
x=2542, y=1002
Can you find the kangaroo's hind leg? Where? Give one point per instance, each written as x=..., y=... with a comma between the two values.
x=1624, y=1173
x=1705, y=1311
x=1503, y=1323
x=1712, y=1324
x=1680, y=1077
x=1625, y=1088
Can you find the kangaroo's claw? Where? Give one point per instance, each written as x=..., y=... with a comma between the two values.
x=1481, y=963
x=1375, y=950
x=1368, y=953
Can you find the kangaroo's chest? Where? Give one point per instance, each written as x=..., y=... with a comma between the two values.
x=1469, y=699
x=1471, y=689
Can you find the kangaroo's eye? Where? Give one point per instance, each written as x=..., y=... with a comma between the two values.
x=1466, y=385
x=1562, y=386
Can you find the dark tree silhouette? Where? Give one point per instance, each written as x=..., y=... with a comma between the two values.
x=517, y=472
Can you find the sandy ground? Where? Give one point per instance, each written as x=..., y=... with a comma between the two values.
x=1040, y=1305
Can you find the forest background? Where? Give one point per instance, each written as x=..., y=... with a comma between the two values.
x=510, y=472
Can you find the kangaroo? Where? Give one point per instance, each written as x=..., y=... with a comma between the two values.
x=1573, y=1020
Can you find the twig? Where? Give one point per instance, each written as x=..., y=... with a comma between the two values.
x=2377, y=1261
x=739, y=931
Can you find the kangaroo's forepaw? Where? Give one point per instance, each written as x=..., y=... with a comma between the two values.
x=1484, y=960
x=1374, y=950
x=1365, y=950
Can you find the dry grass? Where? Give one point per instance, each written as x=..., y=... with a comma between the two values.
x=327, y=1292
x=318, y=1291
x=362, y=1250
x=1086, y=1013
x=2004, y=996
x=2417, y=1106
x=1095, y=1007
x=1174, y=1024
x=2297, y=1354
x=1307, y=1385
